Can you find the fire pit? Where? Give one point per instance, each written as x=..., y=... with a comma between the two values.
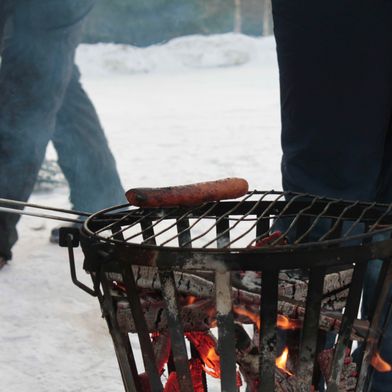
x=246, y=291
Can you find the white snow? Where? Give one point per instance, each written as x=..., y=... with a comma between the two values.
x=194, y=109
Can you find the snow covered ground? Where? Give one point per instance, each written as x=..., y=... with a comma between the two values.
x=194, y=109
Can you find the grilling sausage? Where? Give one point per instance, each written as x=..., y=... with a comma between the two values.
x=188, y=195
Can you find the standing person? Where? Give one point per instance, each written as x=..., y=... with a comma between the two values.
x=42, y=99
x=335, y=63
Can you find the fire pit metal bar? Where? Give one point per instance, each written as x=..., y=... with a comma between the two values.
x=296, y=222
x=118, y=221
x=351, y=310
x=225, y=317
x=308, y=343
x=148, y=226
x=226, y=332
x=141, y=327
x=315, y=222
x=180, y=356
x=184, y=233
x=376, y=223
x=222, y=218
x=222, y=233
x=358, y=220
x=268, y=340
x=336, y=228
x=375, y=325
x=122, y=345
x=281, y=214
x=264, y=216
x=262, y=226
x=148, y=232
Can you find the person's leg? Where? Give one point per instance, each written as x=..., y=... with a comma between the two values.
x=83, y=152
x=335, y=63
x=36, y=67
x=381, y=381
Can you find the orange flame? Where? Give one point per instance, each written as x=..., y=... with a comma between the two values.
x=283, y=322
x=281, y=361
x=205, y=344
x=251, y=316
x=286, y=323
x=379, y=364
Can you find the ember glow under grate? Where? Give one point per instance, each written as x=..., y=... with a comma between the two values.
x=244, y=291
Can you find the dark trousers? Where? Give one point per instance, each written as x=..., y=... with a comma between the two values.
x=335, y=63
x=42, y=99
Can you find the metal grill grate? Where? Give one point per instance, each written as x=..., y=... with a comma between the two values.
x=246, y=222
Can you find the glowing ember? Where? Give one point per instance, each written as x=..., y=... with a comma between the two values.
x=275, y=236
x=196, y=375
x=281, y=361
x=172, y=383
x=191, y=299
x=379, y=364
x=205, y=344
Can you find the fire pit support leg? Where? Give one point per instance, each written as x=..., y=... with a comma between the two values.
x=375, y=325
x=226, y=332
x=122, y=345
x=308, y=345
x=268, y=315
x=350, y=314
x=176, y=331
x=141, y=326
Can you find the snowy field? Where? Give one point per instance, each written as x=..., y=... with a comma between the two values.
x=194, y=109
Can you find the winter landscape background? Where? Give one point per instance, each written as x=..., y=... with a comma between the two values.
x=194, y=109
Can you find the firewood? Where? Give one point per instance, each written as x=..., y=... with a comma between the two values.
x=348, y=378
x=248, y=285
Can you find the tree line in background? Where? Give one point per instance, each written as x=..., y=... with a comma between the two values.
x=145, y=22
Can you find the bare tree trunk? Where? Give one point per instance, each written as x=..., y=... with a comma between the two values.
x=267, y=18
x=237, y=17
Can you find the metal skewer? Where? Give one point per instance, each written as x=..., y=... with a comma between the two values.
x=24, y=204
x=54, y=217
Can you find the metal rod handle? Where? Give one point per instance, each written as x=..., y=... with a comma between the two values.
x=45, y=216
x=41, y=207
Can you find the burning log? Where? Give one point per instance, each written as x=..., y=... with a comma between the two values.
x=196, y=369
x=161, y=345
x=349, y=373
x=246, y=286
x=199, y=287
x=200, y=316
x=247, y=354
x=205, y=343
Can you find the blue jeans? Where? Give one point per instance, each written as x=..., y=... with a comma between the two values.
x=42, y=100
